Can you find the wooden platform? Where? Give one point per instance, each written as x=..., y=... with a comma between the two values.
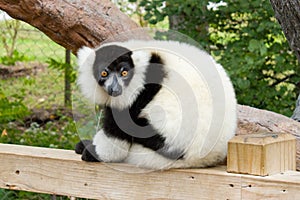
x=61, y=172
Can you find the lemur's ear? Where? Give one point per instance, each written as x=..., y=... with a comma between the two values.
x=85, y=57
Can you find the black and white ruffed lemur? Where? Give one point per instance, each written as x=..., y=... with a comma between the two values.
x=158, y=108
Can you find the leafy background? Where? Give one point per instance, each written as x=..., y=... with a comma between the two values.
x=245, y=38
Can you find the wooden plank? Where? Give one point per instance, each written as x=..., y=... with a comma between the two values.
x=62, y=172
x=280, y=186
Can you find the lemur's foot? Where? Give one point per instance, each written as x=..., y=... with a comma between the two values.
x=80, y=146
x=89, y=154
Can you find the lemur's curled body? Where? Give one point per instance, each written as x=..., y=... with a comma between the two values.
x=160, y=111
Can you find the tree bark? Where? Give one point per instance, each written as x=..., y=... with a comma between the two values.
x=86, y=22
x=71, y=23
x=287, y=12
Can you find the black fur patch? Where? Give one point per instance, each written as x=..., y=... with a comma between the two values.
x=149, y=137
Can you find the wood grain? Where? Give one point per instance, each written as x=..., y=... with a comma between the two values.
x=252, y=121
x=62, y=172
x=262, y=154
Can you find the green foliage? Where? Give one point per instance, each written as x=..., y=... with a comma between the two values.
x=13, y=108
x=70, y=77
x=9, y=36
x=13, y=58
x=41, y=91
x=20, y=195
x=153, y=10
x=7, y=194
x=61, y=134
x=62, y=66
x=28, y=41
x=246, y=39
x=262, y=67
x=137, y=11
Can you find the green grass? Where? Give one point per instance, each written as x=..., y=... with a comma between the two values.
x=47, y=88
x=34, y=44
x=14, y=195
x=43, y=90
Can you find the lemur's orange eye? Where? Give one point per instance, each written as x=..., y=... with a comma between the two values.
x=104, y=74
x=124, y=73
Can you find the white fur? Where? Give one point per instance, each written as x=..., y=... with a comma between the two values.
x=110, y=149
x=177, y=106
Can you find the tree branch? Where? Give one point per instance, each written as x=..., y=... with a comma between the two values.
x=71, y=24
x=278, y=81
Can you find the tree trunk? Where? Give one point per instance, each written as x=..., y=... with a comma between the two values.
x=287, y=12
x=86, y=22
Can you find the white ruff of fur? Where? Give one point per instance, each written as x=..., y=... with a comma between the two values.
x=86, y=81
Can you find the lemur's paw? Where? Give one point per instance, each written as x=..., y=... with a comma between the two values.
x=89, y=154
x=80, y=146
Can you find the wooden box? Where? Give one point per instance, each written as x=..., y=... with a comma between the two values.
x=261, y=154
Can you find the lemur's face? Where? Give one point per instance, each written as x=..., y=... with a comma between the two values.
x=113, y=69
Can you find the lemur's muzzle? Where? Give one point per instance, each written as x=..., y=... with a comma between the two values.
x=114, y=89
